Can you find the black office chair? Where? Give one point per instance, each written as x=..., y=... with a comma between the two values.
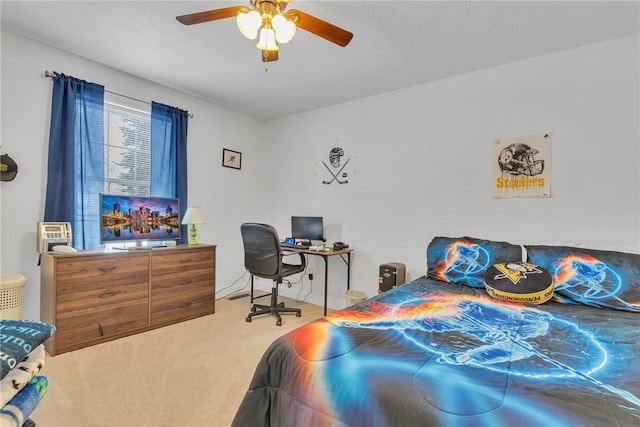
x=263, y=258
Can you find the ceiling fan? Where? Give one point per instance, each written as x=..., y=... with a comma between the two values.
x=268, y=20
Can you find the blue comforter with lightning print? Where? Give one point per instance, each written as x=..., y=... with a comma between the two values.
x=432, y=354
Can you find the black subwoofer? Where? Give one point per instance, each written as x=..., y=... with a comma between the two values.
x=391, y=275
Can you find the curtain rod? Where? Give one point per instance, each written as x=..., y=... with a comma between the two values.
x=48, y=73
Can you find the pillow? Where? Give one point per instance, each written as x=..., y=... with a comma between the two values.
x=597, y=247
x=465, y=260
x=591, y=277
x=18, y=338
x=521, y=282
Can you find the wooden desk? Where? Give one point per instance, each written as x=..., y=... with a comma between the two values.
x=325, y=256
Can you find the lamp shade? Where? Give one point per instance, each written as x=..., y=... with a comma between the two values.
x=267, y=39
x=249, y=24
x=193, y=216
x=285, y=29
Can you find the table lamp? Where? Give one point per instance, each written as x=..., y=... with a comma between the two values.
x=193, y=216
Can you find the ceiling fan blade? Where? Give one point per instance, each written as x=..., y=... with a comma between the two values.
x=211, y=15
x=321, y=28
x=269, y=55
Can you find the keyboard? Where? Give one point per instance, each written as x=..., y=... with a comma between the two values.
x=285, y=246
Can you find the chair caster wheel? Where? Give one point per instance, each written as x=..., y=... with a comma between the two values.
x=248, y=319
x=279, y=323
x=298, y=314
x=253, y=309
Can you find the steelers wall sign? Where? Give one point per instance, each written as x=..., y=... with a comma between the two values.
x=519, y=282
x=522, y=166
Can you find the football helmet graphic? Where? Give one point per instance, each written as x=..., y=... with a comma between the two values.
x=519, y=159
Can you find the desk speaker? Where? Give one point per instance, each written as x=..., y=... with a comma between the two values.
x=391, y=275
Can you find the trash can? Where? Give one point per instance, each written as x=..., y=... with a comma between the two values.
x=352, y=297
x=11, y=295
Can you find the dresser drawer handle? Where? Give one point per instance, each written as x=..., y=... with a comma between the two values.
x=107, y=294
x=184, y=305
x=107, y=269
x=100, y=328
x=186, y=260
x=186, y=282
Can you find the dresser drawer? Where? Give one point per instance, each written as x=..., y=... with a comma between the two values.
x=182, y=260
x=102, y=295
x=182, y=302
x=182, y=279
x=79, y=274
x=74, y=328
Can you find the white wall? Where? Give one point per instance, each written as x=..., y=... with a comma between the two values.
x=421, y=160
x=224, y=194
x=420, y=167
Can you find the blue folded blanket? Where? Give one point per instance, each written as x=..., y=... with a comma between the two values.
x=18, y=409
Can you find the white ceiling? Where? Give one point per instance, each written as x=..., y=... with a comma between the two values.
x=396, y=44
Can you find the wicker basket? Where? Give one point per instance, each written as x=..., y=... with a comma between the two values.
x=11, y=295
x=352, y=297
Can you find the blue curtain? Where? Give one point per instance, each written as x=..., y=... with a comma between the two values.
x=75, y=170
x=169, y=156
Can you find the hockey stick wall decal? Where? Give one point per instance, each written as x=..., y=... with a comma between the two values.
x=335, y=176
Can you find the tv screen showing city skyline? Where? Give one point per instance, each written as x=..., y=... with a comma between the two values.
x=127, y=218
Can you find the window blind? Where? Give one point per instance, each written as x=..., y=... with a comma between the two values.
x=127, y=150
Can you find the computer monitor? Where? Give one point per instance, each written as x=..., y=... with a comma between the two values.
x=307, y=228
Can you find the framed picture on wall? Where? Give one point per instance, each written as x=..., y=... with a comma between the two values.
x=522, y=166
x=231, y=159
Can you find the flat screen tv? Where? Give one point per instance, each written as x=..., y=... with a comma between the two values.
x=125, y=218
x=307, y=228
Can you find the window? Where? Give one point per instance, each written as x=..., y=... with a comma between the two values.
x=83, y=163
x=127, y=150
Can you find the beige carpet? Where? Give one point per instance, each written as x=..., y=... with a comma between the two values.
x=190, y=374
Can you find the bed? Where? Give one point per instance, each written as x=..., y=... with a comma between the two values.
x=440, y=351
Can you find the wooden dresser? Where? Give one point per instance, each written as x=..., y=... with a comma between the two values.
x=92, y=297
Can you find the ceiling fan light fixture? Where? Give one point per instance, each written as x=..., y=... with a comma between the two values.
x=268, y=20
x=249, y=24
x=285, y=29
x=267, y=39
